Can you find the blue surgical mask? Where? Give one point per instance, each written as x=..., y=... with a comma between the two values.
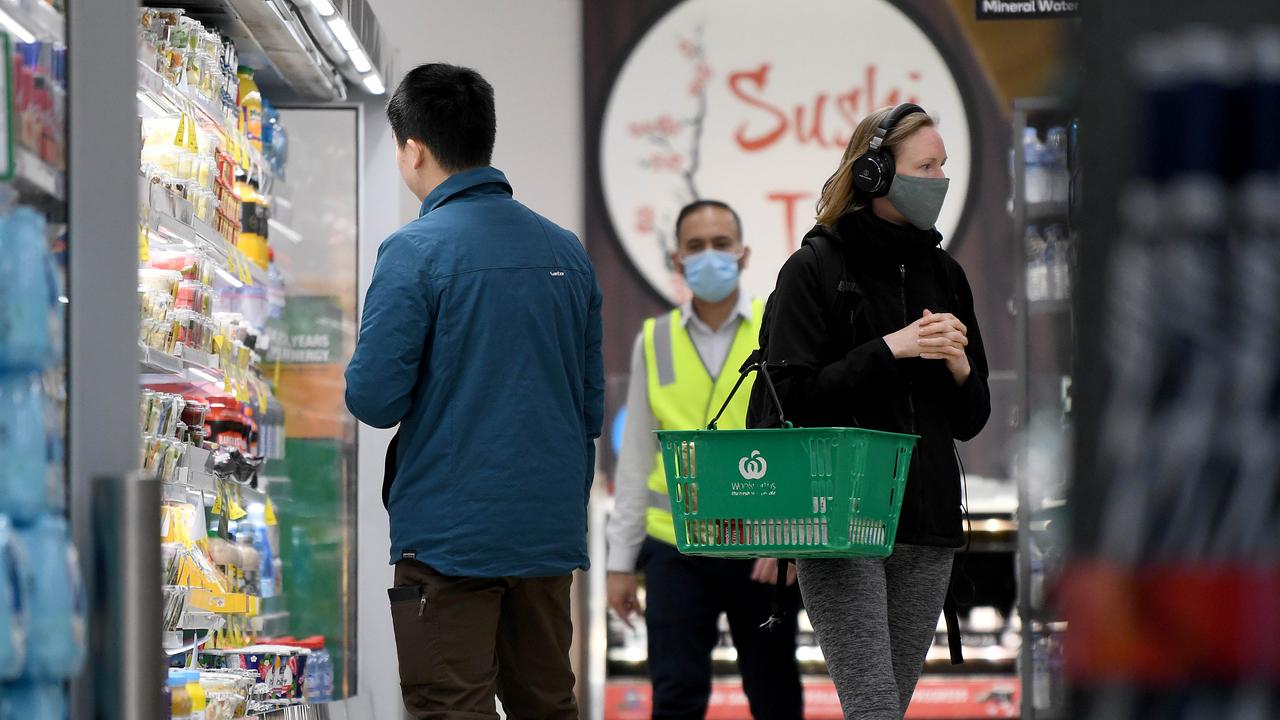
x=712, y=275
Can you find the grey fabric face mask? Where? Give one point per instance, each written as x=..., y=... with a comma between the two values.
x=919, y=199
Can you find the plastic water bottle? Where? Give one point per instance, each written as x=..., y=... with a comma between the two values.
x=1035, y=177
x=1058, y=253
x=56, y=613
x=1037, y=266
x=23, y=451
x=319, y=677
x=1055, y=164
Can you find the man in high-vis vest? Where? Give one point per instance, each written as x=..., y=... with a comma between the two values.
x=684, y=365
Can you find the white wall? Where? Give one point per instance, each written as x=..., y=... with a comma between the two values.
x=531, y=52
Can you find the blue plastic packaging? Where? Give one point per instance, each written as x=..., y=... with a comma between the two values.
x=56, y=613
x=33, y=701
x=25, y=292
x=13, y=603
x=24, y=491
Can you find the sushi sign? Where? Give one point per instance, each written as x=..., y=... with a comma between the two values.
x=752, y=102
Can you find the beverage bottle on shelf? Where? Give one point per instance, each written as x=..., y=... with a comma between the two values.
x=1055, y=156
x=250, y=101
x=1058, y=255
x=1034, y=176
x=1037, y=270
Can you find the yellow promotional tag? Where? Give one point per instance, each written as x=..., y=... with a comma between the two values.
x=269, y=515
x=218, y=341
x=193, y=138
x=247, y=276
x=180, y=139
x=144, y=243
x=237, y=512
x=217, y=505
x=262, y=395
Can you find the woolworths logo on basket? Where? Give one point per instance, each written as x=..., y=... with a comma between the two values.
x=754, y=467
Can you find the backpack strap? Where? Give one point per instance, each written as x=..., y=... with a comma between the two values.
x=833, y=269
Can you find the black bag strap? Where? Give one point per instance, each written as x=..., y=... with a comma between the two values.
x=778, y=610
x=753, y=363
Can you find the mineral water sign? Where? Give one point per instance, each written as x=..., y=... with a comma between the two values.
x=753, y=102
x=1027, y=9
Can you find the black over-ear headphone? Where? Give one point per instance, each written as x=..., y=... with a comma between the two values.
x=873, y=171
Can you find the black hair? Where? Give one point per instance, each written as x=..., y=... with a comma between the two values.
x=449, y=109
x=697, y=205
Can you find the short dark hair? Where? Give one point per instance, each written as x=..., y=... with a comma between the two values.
x=449, y=109
x=697, y=205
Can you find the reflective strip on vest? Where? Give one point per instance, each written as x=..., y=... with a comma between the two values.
x=660, y=500
x=684, y=396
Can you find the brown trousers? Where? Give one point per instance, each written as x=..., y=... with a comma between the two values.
x=460, y=641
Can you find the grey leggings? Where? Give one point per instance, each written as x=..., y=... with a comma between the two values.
x=875, y=620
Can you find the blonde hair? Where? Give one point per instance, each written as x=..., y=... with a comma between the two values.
x=839, y=196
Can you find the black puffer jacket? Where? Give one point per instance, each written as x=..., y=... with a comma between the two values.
x=840, y=373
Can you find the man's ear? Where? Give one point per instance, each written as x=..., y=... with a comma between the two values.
x=417, y=153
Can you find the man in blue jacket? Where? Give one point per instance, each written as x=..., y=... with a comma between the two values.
x=481, y=339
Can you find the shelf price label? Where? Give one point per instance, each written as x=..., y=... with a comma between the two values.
x=144, y=243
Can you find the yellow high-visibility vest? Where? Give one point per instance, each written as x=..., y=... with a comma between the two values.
x=684, y=396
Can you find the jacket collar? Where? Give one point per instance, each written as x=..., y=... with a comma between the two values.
x=460, y=183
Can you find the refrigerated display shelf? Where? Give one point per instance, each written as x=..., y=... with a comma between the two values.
x=41, y=19
x=192, y=367
x=34, y=176
x=270, y=38
x=1040, y=211
x=195, y=234
x=172, y=100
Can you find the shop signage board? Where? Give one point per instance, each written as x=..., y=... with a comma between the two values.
x=753, y=102
x=936, y=698
x=1026, y=9
x=312, y=331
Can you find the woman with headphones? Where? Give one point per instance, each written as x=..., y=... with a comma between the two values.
x=872, y=325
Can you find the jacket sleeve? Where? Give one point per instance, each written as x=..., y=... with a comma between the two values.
x=970, y=404
x=398, y=316
x=593, y=379
x=808, y=386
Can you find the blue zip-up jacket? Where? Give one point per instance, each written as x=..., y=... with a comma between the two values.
x=481, y=339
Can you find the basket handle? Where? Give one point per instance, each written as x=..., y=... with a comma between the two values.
x=763, y=368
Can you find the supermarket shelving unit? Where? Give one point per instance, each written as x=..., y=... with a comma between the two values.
x=1045, y=366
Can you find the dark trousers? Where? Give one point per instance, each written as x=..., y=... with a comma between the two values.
x=684, y=598
x=463, y=640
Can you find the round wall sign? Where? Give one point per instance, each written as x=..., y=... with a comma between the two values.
x=752, y=102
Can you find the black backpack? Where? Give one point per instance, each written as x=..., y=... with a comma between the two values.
x=841, y=297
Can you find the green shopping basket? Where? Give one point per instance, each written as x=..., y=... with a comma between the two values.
x=785, y=492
